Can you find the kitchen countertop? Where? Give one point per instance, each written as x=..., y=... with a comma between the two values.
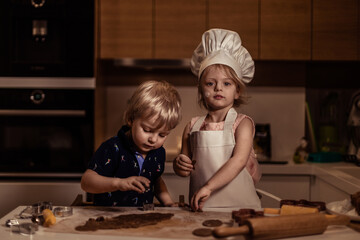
x=332, y=232
x=343, y=175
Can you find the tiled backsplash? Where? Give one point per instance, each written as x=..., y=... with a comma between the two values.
x=282, y=107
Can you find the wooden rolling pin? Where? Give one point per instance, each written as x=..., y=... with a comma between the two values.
x=283, y=226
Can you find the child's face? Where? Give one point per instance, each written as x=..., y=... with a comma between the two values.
x=219, y=91
x=145, y=136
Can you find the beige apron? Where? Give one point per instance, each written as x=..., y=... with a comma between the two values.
x=211, y=150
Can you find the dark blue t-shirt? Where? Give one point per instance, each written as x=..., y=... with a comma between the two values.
x=116, y=158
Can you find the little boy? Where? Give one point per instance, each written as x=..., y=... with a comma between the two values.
x=126, y=169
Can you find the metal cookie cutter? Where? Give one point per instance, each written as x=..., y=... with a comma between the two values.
x=11, y=222
x=34, y=210
x=63, y=211
x=148, y=206
x=38, y=207
x=25, y=228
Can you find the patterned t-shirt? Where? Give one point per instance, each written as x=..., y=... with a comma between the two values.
x=116, y=158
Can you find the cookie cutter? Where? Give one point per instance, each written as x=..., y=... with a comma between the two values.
x=35, y=209
x=11, y=222
x=63, y=211
x=148, y=206
x=25, y=228
x=38, y=207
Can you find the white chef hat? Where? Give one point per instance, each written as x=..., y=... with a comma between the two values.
x=220, y=46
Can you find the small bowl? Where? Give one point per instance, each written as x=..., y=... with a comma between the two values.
x=63, y=211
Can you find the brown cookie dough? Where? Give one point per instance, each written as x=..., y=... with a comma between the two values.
x=124, y=221
x=202, y=232
x=241, y=215
x=212, y=223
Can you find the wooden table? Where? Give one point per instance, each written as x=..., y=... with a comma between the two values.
x=180, y=226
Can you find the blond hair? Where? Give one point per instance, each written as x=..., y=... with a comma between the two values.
x=230, y=73
x=155, y=98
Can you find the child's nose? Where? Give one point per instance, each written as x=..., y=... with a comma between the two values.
x=217, y=87
x=153, y=138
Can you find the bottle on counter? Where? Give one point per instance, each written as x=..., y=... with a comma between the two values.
x=302, y=151
x=328, y=129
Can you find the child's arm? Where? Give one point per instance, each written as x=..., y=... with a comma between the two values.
x=92, y=182
x=242, y=150
x=182, y=164
x=162, y=193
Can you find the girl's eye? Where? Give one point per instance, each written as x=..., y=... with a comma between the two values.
x=227, y=83
x=209, y=84
x=147, y=130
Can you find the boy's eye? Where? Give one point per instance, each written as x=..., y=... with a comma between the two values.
x=163, y=135
x=209, y=84
x=146, y=130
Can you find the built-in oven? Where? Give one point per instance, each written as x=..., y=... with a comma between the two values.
x=47, y=38
x=45, y=131
x=46, y=87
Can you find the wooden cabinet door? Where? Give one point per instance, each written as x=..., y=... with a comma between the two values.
x=285, y=187
x=285, y=29
x=241, y=16
x=335, y=30
x=179, y=25
x=125, y=28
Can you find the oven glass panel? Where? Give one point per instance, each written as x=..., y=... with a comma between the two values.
x=49, y=137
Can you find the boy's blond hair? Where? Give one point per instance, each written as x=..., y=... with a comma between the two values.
x=155, y=98
x=230, y=73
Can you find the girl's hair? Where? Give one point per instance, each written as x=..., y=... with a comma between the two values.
x=155, y=98
x=230, y=73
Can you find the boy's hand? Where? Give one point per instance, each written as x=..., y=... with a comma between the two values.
x=183, y=164
x=134, y=183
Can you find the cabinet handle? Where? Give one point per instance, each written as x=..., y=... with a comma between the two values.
x=62, y=113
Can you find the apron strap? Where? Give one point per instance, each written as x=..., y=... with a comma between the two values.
x=230, y=119
x=197, y=124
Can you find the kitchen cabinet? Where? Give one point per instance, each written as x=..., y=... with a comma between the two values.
x=179, y=25
x=285, y=30
x=15, y=192
x=177, y=186
x=239, y=16
x=284, y=187
x=324, y=191
x=335, y=30
x=269, y=29
x=150, y=29
x=125, y=28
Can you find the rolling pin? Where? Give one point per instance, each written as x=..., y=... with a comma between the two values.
x=282, y=226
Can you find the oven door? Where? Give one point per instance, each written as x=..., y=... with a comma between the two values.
x=45, y=131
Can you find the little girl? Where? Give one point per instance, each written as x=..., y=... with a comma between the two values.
x=217, y=149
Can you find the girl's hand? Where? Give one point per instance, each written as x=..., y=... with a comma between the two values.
x=134, y=183
x=182, y=164
x=199, y=198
